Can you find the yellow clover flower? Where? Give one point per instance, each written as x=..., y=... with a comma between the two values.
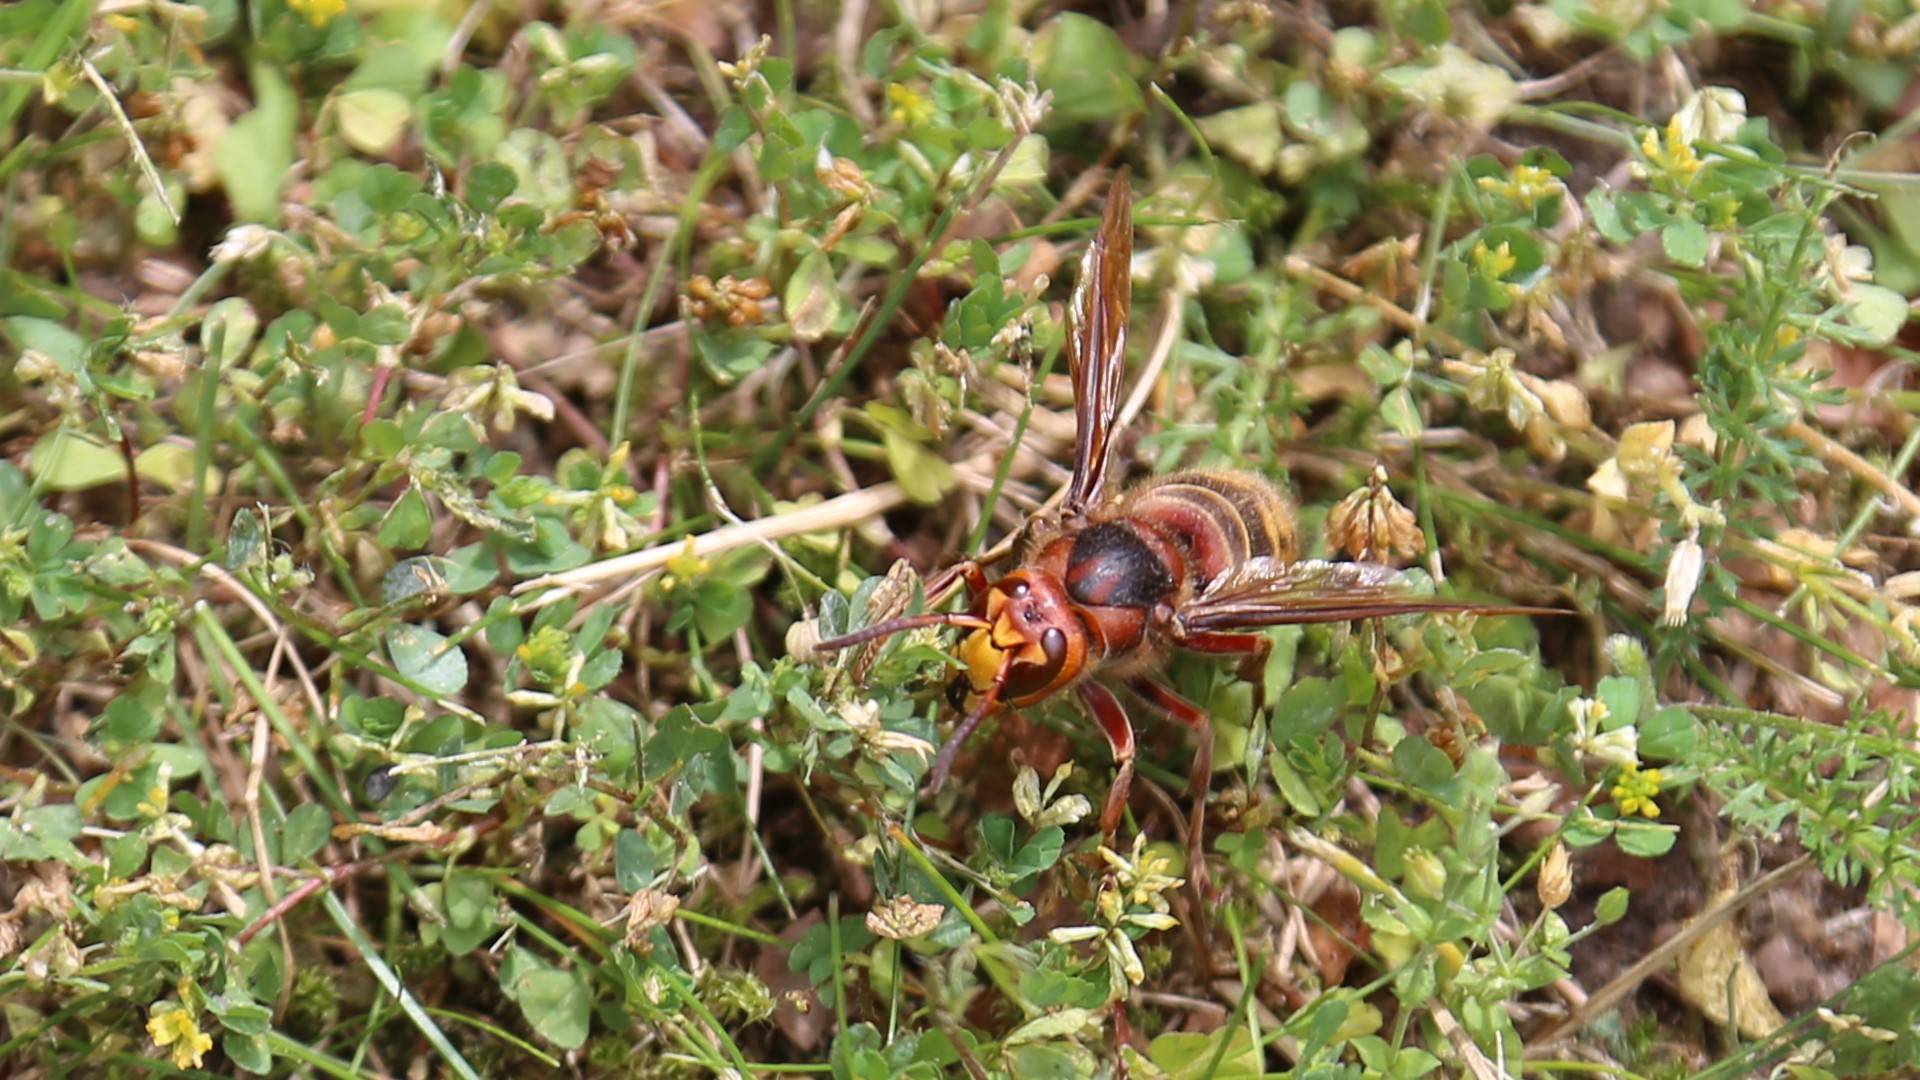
x=172, y=1025
x=318, y=12
x=910, y=109
x=1635, y=791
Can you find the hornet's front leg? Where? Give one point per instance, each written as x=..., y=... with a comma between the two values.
x=971, y=572
x=1113, y=722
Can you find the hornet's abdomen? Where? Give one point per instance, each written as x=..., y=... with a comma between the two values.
x=1218, y=519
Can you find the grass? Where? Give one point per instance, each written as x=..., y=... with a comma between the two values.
x=437, y=434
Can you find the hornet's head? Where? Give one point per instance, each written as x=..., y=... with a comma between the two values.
x=1032, y=631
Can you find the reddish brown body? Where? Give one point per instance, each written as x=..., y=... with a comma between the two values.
x=1124, y=574
x=1102, y=593
x=1192, y=560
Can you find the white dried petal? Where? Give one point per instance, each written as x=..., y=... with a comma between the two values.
x=1683, y=579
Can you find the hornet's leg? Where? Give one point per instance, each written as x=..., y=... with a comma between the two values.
x=1252, y=650
x=967, y=570
x=1191, y=716
x=1113, y=723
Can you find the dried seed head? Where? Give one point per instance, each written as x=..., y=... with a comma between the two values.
x=904, y=917
x=1371, y=524
x=736, y=303
x=1555, y=883
x=843, y=177
x=648, y=909
x=803, y=641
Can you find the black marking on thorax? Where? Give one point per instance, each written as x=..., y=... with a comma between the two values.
x=1110, y=566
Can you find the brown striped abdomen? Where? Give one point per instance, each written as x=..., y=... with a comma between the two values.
x=1217, y=518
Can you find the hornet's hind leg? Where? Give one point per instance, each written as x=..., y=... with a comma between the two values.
x=1199, y=779
x=1252, y=650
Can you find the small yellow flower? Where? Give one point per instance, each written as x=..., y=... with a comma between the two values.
x=172, y=1025
x=688, y=565
x=1674, y=155
x=1494, y=262
x=318, y=12
x=910, y=109
x=1635, y=791
x=1528, y=185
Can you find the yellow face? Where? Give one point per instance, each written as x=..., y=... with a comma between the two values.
x=982, y=650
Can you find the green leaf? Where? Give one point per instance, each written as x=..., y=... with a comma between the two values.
x=55, y=341
x=250, y=1052
x=434, y=576
x=812, y=301
x=468, y=900
x=1605, y=212
x=731, y=355
x=633, y=861
x=1672, y=733
x=1428, y=22
x=1048, y=1026
x=171, y=466
x=67, y=459
x=734, y=127
x=1309, y=707
x=1040, y=852
x=539, y=164
x=1612, y=907
x=1187, y=1055
x=720, y=608
x=1089, y=71
x=416, y=654
x=489, y=184
x=1685, y=241
x=371, y=120
x=408, y=523
x=376, y=718
x=1646, y=839
x=556, y=1003
x=1621, y=696
x=1251, y=133
x=255, y=154
x=813, y=953
x=1399, y=411
x=923, y=474
x=304, y=833
x=1422, y=764
x=1293, y=787
x=133, y=718
x=1878, y=312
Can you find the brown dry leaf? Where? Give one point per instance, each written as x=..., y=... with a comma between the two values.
x=1322, y=381
x=797, y=1010
x=1717, y=977
x=1339, y=928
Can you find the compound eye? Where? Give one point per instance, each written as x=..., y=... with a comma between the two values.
x=1054, y=643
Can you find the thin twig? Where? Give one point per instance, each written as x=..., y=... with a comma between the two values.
x=855, y=506
x=1839, y=455
x=134, y=144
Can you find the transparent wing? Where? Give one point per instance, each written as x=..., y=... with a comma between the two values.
x=1097, y=344
x=1265, y=592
